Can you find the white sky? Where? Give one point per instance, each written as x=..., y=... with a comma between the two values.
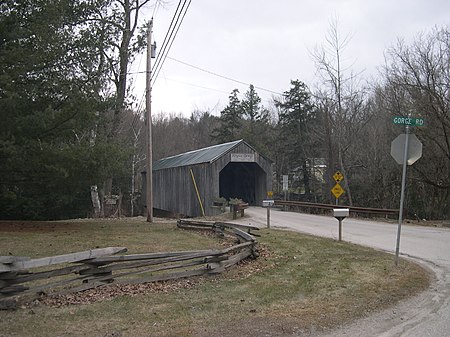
x=268, y=43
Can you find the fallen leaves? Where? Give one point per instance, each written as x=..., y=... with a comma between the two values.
x=244, y=269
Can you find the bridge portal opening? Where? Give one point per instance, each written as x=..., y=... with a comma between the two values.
x=245, y=181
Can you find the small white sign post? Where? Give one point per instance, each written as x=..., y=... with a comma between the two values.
x=285, y=189
x=268, y=204
x=340, y=214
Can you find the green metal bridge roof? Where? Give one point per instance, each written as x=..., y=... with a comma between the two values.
x=205, y=155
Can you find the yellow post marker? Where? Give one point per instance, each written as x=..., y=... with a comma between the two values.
x=198, y=194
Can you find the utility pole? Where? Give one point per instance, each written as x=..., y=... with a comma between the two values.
x=148, y=122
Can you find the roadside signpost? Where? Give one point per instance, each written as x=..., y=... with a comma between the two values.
x=269, y=202
x=340, y=214
x=338, y=176
x=409, y=121
x=285, y=188
x=414, y=148
x=337, y=189
x=406, y=149
x=285, y=182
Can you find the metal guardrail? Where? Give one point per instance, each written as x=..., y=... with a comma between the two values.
x=353, y=209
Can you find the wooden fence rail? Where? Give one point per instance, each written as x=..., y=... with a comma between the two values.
x=85, y=270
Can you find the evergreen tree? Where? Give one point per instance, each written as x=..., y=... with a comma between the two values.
x=251, y=106
x=52, y=82
x=256, y=127
x=296, y=118
x=230, y=122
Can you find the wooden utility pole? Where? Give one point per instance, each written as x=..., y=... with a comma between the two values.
x=148, y=122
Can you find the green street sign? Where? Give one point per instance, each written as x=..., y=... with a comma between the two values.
x=410, y=121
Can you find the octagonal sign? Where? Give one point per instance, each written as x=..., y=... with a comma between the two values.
x=414, y=148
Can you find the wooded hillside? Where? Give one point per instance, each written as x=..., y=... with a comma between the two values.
x=69, y=122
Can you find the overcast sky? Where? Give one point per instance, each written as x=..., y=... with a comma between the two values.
x=268, y=43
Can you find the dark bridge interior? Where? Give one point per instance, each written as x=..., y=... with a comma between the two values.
x=245, y=181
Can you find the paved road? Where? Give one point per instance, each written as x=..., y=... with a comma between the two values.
x=425, y=315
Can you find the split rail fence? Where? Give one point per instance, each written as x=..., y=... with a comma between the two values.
x=23, y=277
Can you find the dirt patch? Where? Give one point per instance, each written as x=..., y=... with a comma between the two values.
x=110, y=291
x=243, y=269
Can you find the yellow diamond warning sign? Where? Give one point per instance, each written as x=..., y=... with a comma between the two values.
x=337, y=191
x=338, y=177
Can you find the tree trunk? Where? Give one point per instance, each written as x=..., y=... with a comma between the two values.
x=95, y=201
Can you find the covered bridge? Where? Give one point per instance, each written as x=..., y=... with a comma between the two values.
x=230, y=170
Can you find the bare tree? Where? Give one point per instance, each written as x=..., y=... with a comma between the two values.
x=121, y=36
x=420, y=73
x=341, y=103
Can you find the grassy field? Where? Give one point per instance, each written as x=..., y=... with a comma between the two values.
x=299, y=284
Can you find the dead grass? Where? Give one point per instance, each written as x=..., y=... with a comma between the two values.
x=299, y=284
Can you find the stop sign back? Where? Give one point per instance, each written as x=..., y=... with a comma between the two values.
x=414, y=148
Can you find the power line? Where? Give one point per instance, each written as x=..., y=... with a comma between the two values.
x=221, y=76
x=196, y=85
x=167, y=44
x=139, y=106
x=165, y=41
x=155, y=8
x=136, y=72
x=163, y=46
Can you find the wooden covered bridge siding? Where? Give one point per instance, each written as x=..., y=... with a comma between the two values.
x=238, y=172
x=174, y=191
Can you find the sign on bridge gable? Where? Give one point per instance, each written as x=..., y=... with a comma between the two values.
x=243, y=157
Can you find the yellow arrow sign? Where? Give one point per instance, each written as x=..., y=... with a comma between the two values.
x=337, y=191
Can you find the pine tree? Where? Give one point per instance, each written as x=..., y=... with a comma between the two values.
x=52, y=84
x=251, y=106
x=256, y=127
x=230, y=122
x=296, y=118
